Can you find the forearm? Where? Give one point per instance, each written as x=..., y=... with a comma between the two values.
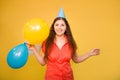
x=39, y=57
x=78, y=59
x=84, y=57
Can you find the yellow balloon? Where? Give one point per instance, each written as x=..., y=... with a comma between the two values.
x=36, y=31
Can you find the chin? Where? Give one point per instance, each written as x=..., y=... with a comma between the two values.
x=59, y=34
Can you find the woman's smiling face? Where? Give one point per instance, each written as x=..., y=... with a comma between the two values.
x=60, y=27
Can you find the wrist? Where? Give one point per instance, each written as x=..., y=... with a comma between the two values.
x=34, y=50
x=89, y=54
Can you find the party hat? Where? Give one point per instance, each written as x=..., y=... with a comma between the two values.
x=61, y=13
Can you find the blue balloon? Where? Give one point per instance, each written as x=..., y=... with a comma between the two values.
x=18, y=56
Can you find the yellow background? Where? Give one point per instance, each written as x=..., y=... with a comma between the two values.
x=94, y=24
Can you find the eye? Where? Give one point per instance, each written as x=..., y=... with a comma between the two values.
x=56, y=24
x=62, y=25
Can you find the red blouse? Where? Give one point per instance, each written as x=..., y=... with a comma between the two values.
x=58, y=65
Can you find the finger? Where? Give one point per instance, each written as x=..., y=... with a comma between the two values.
x=97, y=50
x=29, y=45
x=26, y=44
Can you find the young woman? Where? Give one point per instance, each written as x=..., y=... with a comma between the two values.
x=58, y=49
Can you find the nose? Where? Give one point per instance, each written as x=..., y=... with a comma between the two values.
x=59, y=26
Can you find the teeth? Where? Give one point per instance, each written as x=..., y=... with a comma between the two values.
x=59, y=30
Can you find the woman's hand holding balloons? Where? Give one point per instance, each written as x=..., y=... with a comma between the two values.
x=31, y=47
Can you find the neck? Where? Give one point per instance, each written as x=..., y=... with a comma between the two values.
x=58, y=37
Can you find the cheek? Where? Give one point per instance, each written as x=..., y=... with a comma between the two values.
x=64, y=28
x=55, y=28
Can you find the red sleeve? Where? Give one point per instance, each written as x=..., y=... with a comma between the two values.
x=43, y=47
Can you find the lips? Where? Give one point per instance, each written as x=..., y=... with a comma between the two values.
x=59, y=30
